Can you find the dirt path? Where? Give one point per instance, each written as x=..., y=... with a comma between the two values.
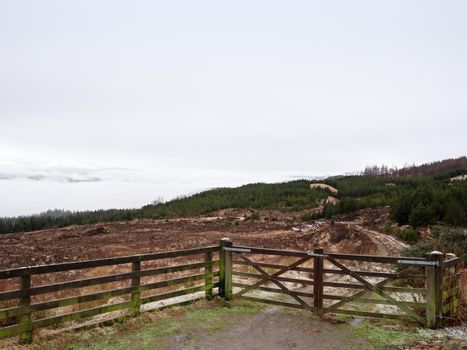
x=277, y=329
x=387, y=244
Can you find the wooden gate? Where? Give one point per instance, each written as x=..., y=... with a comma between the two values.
x=364, y=285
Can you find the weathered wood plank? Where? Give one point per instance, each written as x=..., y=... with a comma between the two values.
x=279, y=278
x=370, y=314
x=40, y=269
x=177, y=293
x=275, y=290
x=272, y=266
x=372, y=258
x=369, y=300
x=276, y=302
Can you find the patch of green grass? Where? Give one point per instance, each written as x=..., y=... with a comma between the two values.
x=380, y=337
x=213, y=319
x=141, y=336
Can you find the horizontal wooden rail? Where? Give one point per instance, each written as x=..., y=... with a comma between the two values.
x=272, y=266
x=275, y=290
x=276, y=302
x=268, y=251
x=451, y=262
x=369, y=314
x=385, y=288
x=369, y=300
x=402, y=275
x=373, y=258
x=177, y=293
x=278, y=278
x=85, y=264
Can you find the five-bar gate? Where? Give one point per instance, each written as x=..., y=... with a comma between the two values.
x=419, y=289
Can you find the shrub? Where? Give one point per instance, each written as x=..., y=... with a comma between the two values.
x=409, y=235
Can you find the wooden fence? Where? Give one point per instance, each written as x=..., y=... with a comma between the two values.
x=34, y=306
x=423, y=290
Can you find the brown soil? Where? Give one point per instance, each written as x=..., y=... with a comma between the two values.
x=144, y=236
x=274, y=330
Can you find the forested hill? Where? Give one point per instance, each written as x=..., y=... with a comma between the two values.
x=416, y=200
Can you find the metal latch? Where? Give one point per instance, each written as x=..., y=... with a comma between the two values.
x=237, y=250
x=418, y=262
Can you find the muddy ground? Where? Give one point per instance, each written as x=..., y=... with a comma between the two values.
x=273, y=230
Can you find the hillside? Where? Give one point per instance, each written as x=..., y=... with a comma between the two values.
x=417, y=200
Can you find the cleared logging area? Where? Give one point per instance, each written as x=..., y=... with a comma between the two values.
x=422, y=290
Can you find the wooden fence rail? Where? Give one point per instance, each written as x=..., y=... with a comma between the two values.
x=317, y=281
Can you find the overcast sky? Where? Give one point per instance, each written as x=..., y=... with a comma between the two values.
x=116, y=103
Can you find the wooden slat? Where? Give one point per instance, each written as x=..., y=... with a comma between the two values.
x=370, y=300
x=279, y=278
x=379, y=274
x=372, y=258
x=371, y=314
x=186, y=291
x=34, y=270
x=275, y=302
x=386, y=288
x=268, y=251
x=272, y=266
x=343, y=285
x=276, y=290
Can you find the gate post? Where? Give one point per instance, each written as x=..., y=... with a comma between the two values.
x=434, y=290
x=208, y=274
x=225, y=270
x=318, y=263
x=135, y=282
x=25, y=337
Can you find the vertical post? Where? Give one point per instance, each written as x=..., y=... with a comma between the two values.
x=434, y=289
x=318, y=276
x=135, y=282
x=208, y=274
x=225, y=270
x=25, y=319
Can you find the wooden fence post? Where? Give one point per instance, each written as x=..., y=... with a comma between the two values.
x=208, y=274
x=225, y=270
x=434, y=289
x=135, y=282
x=318, y=263
x=25, y=319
